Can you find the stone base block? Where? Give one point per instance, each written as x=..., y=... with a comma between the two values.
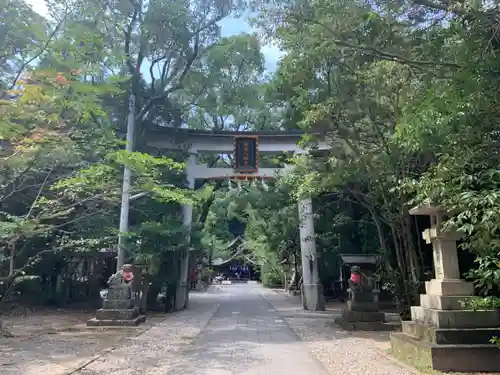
x=364, y=297
x=117, y=314
x=111, y=304
x=362, y=316
x=455, y=319
x=181, y=296
x=449, y=336
x=94, y=322
x=366, y=326
x=362, y=306
x=441, y=302
x=450, y=287
x=457, y=358
x=312, y=297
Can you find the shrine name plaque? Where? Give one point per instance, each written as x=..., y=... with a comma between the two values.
x=246, y=157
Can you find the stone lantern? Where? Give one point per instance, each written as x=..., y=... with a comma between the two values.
x=442, y=335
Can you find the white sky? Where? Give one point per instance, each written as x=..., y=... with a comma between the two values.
x=38, y=6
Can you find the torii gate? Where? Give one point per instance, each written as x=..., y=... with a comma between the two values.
x=245, y=147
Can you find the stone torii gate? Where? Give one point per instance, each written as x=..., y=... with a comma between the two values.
x=245, y=147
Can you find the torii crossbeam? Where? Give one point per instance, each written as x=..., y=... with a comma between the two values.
x=246, y=148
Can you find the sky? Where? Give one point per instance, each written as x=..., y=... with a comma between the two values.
x=230, y=26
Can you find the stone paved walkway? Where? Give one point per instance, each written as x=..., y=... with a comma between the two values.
x=246, y=336
x=245, y=330
x=341, y=352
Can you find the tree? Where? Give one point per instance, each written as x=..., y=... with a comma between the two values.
x=66, y=177
x=388, y=83
x=231, y=76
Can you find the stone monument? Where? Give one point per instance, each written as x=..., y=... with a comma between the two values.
x=362, y=309
x=118, y=307
x=442, y=335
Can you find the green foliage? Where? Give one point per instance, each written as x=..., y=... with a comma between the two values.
x=153, y=239
x=481, y=303
x=231, y=73
x=496, y=341
x=486, y=276
x=406, y=93
x=408, y=104
x=271, y=276
x=22, y=35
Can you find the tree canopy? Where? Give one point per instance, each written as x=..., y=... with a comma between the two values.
x=404, y=91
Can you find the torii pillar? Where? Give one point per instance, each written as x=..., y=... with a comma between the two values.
x=182, y=294
x=312, y=289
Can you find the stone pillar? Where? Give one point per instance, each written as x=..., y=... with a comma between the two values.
x=182, y=294
x=199, y=274
x=312, y=289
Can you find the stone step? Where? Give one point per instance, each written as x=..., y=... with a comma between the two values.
x=117, y=314
x=367, y=326
x=446, y=358
x=94, y=322
x=120, y=304
x=393, y=317
x=456, y=318
x=442, y=302
x=443, y=336
x=362, y=316
x=450, y=287
x=362, y=306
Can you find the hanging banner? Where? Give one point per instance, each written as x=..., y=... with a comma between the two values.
x=246, y=156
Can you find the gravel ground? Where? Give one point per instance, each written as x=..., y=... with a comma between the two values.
x=158, y=350
x=57, y=353
x=340, y=352
x=61, y=344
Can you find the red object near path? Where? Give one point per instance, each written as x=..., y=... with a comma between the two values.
x=128, y=275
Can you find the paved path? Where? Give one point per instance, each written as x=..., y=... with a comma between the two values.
x=247, y=337
x=246, y=330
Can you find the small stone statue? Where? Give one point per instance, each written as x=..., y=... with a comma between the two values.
x=116, y=279
x=123, y=276
x=359, y=282
x=354, y=281
x=120, y=284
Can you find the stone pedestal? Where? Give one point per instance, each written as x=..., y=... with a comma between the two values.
x=118, y=309
x=441, y=335
x=361, y=313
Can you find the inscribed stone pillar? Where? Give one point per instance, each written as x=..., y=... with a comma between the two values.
x=182, y=295
x=312, y=289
